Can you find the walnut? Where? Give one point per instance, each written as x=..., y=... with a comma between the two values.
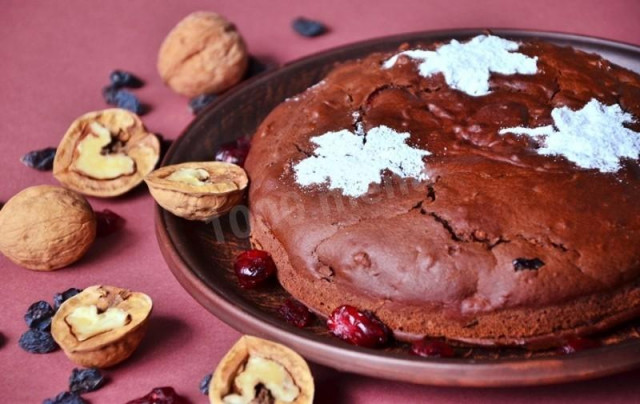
x=203, y=54
x=102, y=325
x=46, y=227
x=258, y=370
x=105, y=153
x=198, y=190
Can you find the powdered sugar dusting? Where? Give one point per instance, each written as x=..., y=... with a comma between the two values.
x=352, y=161
x=468, y=66
x=592, y=137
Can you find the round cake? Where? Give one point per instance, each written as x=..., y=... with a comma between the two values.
x=484, y=191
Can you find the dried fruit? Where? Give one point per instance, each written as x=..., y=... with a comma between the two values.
x=106, y=153
x=66, y=398
x=431, y=348
x=38, y=316
x=361, y=328
x=204, y=384
x=60, y=298
x=198, y=103
x=234, y=152
x=256, y=367
x=296, y=313
x=121, y=78
x=108, y=222
x=199, y=190
x=85, y=380
x=308, y=28
x=41, y=160
x=520, y=264
x=102, y=325
x=577, y=344
x=253, y=268
x=160, y=395
x=203, y=54
x=46, y=227
x=127, y=100
x=37, y=341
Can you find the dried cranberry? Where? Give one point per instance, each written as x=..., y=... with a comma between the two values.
x=361, y=328
x=41, y=160
x=160, y=395
x=577, y=344
x=253, y=268
x=38, y=316
x=234, y=152
x=60, y=298
x=308, y=28
x=431, y=348
x=204, y=383
x=85, y=380
x=296, y=313
x=108, y=222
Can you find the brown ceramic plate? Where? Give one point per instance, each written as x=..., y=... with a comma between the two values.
x=201, y=255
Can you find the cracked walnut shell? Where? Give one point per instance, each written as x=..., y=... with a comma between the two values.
x=256, y=370
x=203, y=53
x=102, y=325
x=46, y=227
x=198, y=190
x=106, y=153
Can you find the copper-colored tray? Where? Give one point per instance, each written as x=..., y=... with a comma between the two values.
x=201, y=255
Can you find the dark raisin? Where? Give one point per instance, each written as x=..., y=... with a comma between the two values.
x=41, y=160
x=127, y=100
x=308, y=28
x=296, y=313
x=36, y=341
x=204, y=384
x=109, y=94
x=60, y=298
x=430, y=348
x=233, y=152
x=520, y=264
x=108, y=222
x=38, y=316
x=160, y=395
x=66, y=398
x=198, y=103
x=120, y=78
x=253, y=268
x=361, y=328
x=85, y=380
x=577, y=344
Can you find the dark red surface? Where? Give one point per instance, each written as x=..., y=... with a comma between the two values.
x=56, y=57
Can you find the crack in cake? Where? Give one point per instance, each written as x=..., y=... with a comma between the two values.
x=485, y=191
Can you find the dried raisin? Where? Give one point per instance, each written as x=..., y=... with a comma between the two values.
x=37, y=341
x=38, y=316
x=204, y=384
x=308, y=28
x=41, y=160
x=60, y=298
x=66, y=398
x=199, y=103
x=121, y=78
x=85, y=380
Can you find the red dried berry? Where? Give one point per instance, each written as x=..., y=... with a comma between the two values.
x=234, y=152
x=296, y=313
x=108, y=223
x=431, y=348
x=160, y=395
x=253, y=268
x=361, y=328
x=577, y=344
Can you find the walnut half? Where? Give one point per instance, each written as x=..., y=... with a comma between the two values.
x=105, y=153
x=258, y=371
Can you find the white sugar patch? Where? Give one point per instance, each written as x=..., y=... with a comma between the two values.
x=468, y=66
x=592, y=137
x=352, y=161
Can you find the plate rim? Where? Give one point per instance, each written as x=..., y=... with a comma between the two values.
x=442, y=372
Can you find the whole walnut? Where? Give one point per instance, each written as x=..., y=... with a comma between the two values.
x=202, y=54
x=46, y=227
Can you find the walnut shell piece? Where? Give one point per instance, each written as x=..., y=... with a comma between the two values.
x=261, y=362
x=198, y=190
x=105, y=153
x=203, y=53
x=102, y=325
x=46, y=227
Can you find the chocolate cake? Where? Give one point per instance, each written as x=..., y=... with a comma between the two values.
x=486, y=192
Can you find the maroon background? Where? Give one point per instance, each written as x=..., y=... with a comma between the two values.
x=54, y=58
